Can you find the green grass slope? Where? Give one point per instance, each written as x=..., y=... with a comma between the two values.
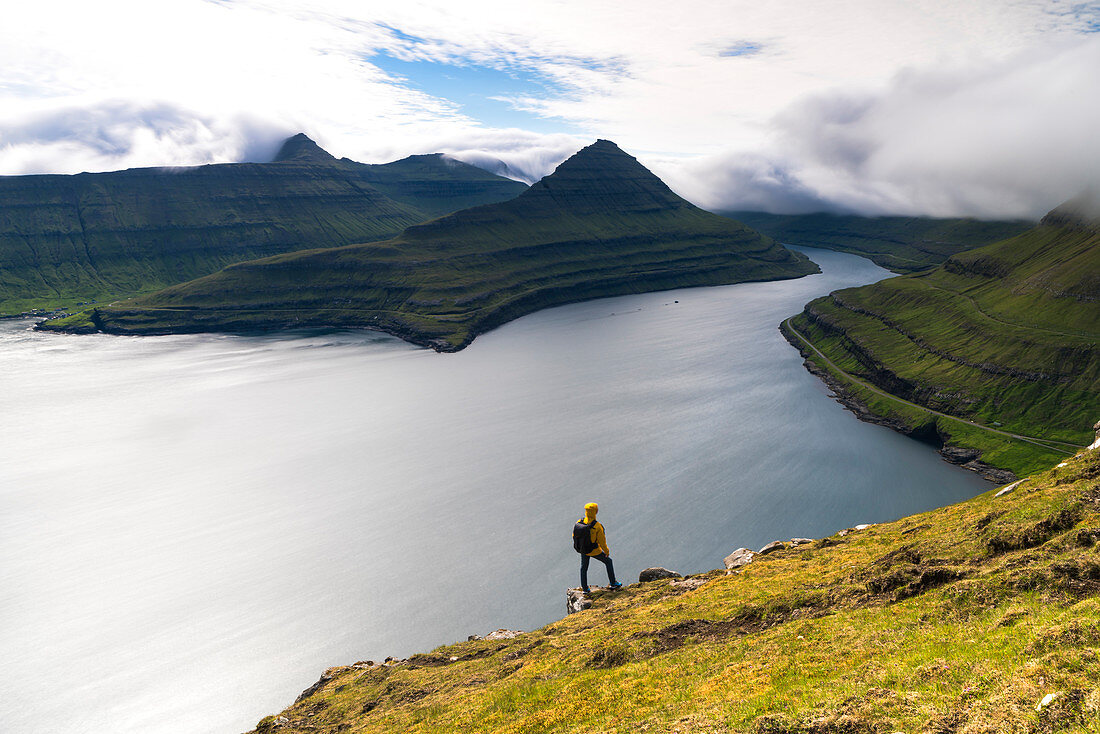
x=902, y=244
x=600, y=225
x=68, y=239
x=1007, y=335
x=963, y=619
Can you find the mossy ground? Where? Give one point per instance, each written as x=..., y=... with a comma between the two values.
x=961, y=619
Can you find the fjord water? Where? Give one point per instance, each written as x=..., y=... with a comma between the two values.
x=194, y=527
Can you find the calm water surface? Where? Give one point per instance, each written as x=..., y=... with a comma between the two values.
x=192, y=528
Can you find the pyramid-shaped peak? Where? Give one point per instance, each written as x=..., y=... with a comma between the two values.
x=301, y=148
x=601, y=175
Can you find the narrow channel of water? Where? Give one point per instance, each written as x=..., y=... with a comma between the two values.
x=192, y=528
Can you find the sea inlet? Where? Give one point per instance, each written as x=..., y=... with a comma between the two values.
x=192, y=528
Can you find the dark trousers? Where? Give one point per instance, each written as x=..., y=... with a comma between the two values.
x=602, y=558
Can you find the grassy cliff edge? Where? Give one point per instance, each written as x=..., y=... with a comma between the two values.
x=979, y=617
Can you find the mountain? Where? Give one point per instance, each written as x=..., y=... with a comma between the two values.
x=100, y=236
x=300, y=148
x=983, y=616
x=600, y=225
x=1006, y=335
x=902, y=244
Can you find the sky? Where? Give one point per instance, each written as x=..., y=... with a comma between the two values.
x=985, y=108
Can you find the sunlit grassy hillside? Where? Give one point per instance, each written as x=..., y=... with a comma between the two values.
x=1007, y=335
x=963, y=619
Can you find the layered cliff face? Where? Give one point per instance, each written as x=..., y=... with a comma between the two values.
x=1007, y=335
x=97, y=236
x=600, y=225
x=979, y=617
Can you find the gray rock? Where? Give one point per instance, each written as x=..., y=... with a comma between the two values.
x=576, y=601
x=657, y=572
x=503, y=634
x=687, y=584
x=958, y=455
x=772, y=547
x=1008, y=489
x=739, y=558
x=795, y=542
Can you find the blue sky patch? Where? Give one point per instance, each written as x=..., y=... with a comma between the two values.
x=473, y=88
x=741, y=48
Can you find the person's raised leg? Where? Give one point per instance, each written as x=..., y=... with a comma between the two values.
x=606, y=561
x=611, y=572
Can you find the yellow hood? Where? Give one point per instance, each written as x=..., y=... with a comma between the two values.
x=590, y=511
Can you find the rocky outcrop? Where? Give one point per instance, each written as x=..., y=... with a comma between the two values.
x=690, y=584
x=772, y=547
x=968, y=459
x=576, y=601
x=740, y=557
x=657, y=572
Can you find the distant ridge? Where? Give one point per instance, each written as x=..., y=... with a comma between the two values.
x=600, y=225
x=902, y=244
x=65, y=240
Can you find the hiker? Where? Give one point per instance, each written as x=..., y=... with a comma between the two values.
x=589, y=541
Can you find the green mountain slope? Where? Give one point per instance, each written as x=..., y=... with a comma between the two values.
x=1007, y=335
x=65, y=239
x=600, y=225
x=902, y=244
x=979, y=617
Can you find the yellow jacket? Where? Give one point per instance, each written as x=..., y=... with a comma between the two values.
x=597, y=533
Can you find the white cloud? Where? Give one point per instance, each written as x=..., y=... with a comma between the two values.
x=125, y=82
x=1004, y=139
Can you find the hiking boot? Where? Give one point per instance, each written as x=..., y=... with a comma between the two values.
x=615, y=585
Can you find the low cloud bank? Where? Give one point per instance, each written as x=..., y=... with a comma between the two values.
x=1003, y=139
x=1006, y=139
x=516, y=154
x=113, y=135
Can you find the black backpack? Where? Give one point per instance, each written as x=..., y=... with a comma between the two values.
x=582, y=537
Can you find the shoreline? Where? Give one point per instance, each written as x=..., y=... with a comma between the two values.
x=518, y=306
x=959, y=456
